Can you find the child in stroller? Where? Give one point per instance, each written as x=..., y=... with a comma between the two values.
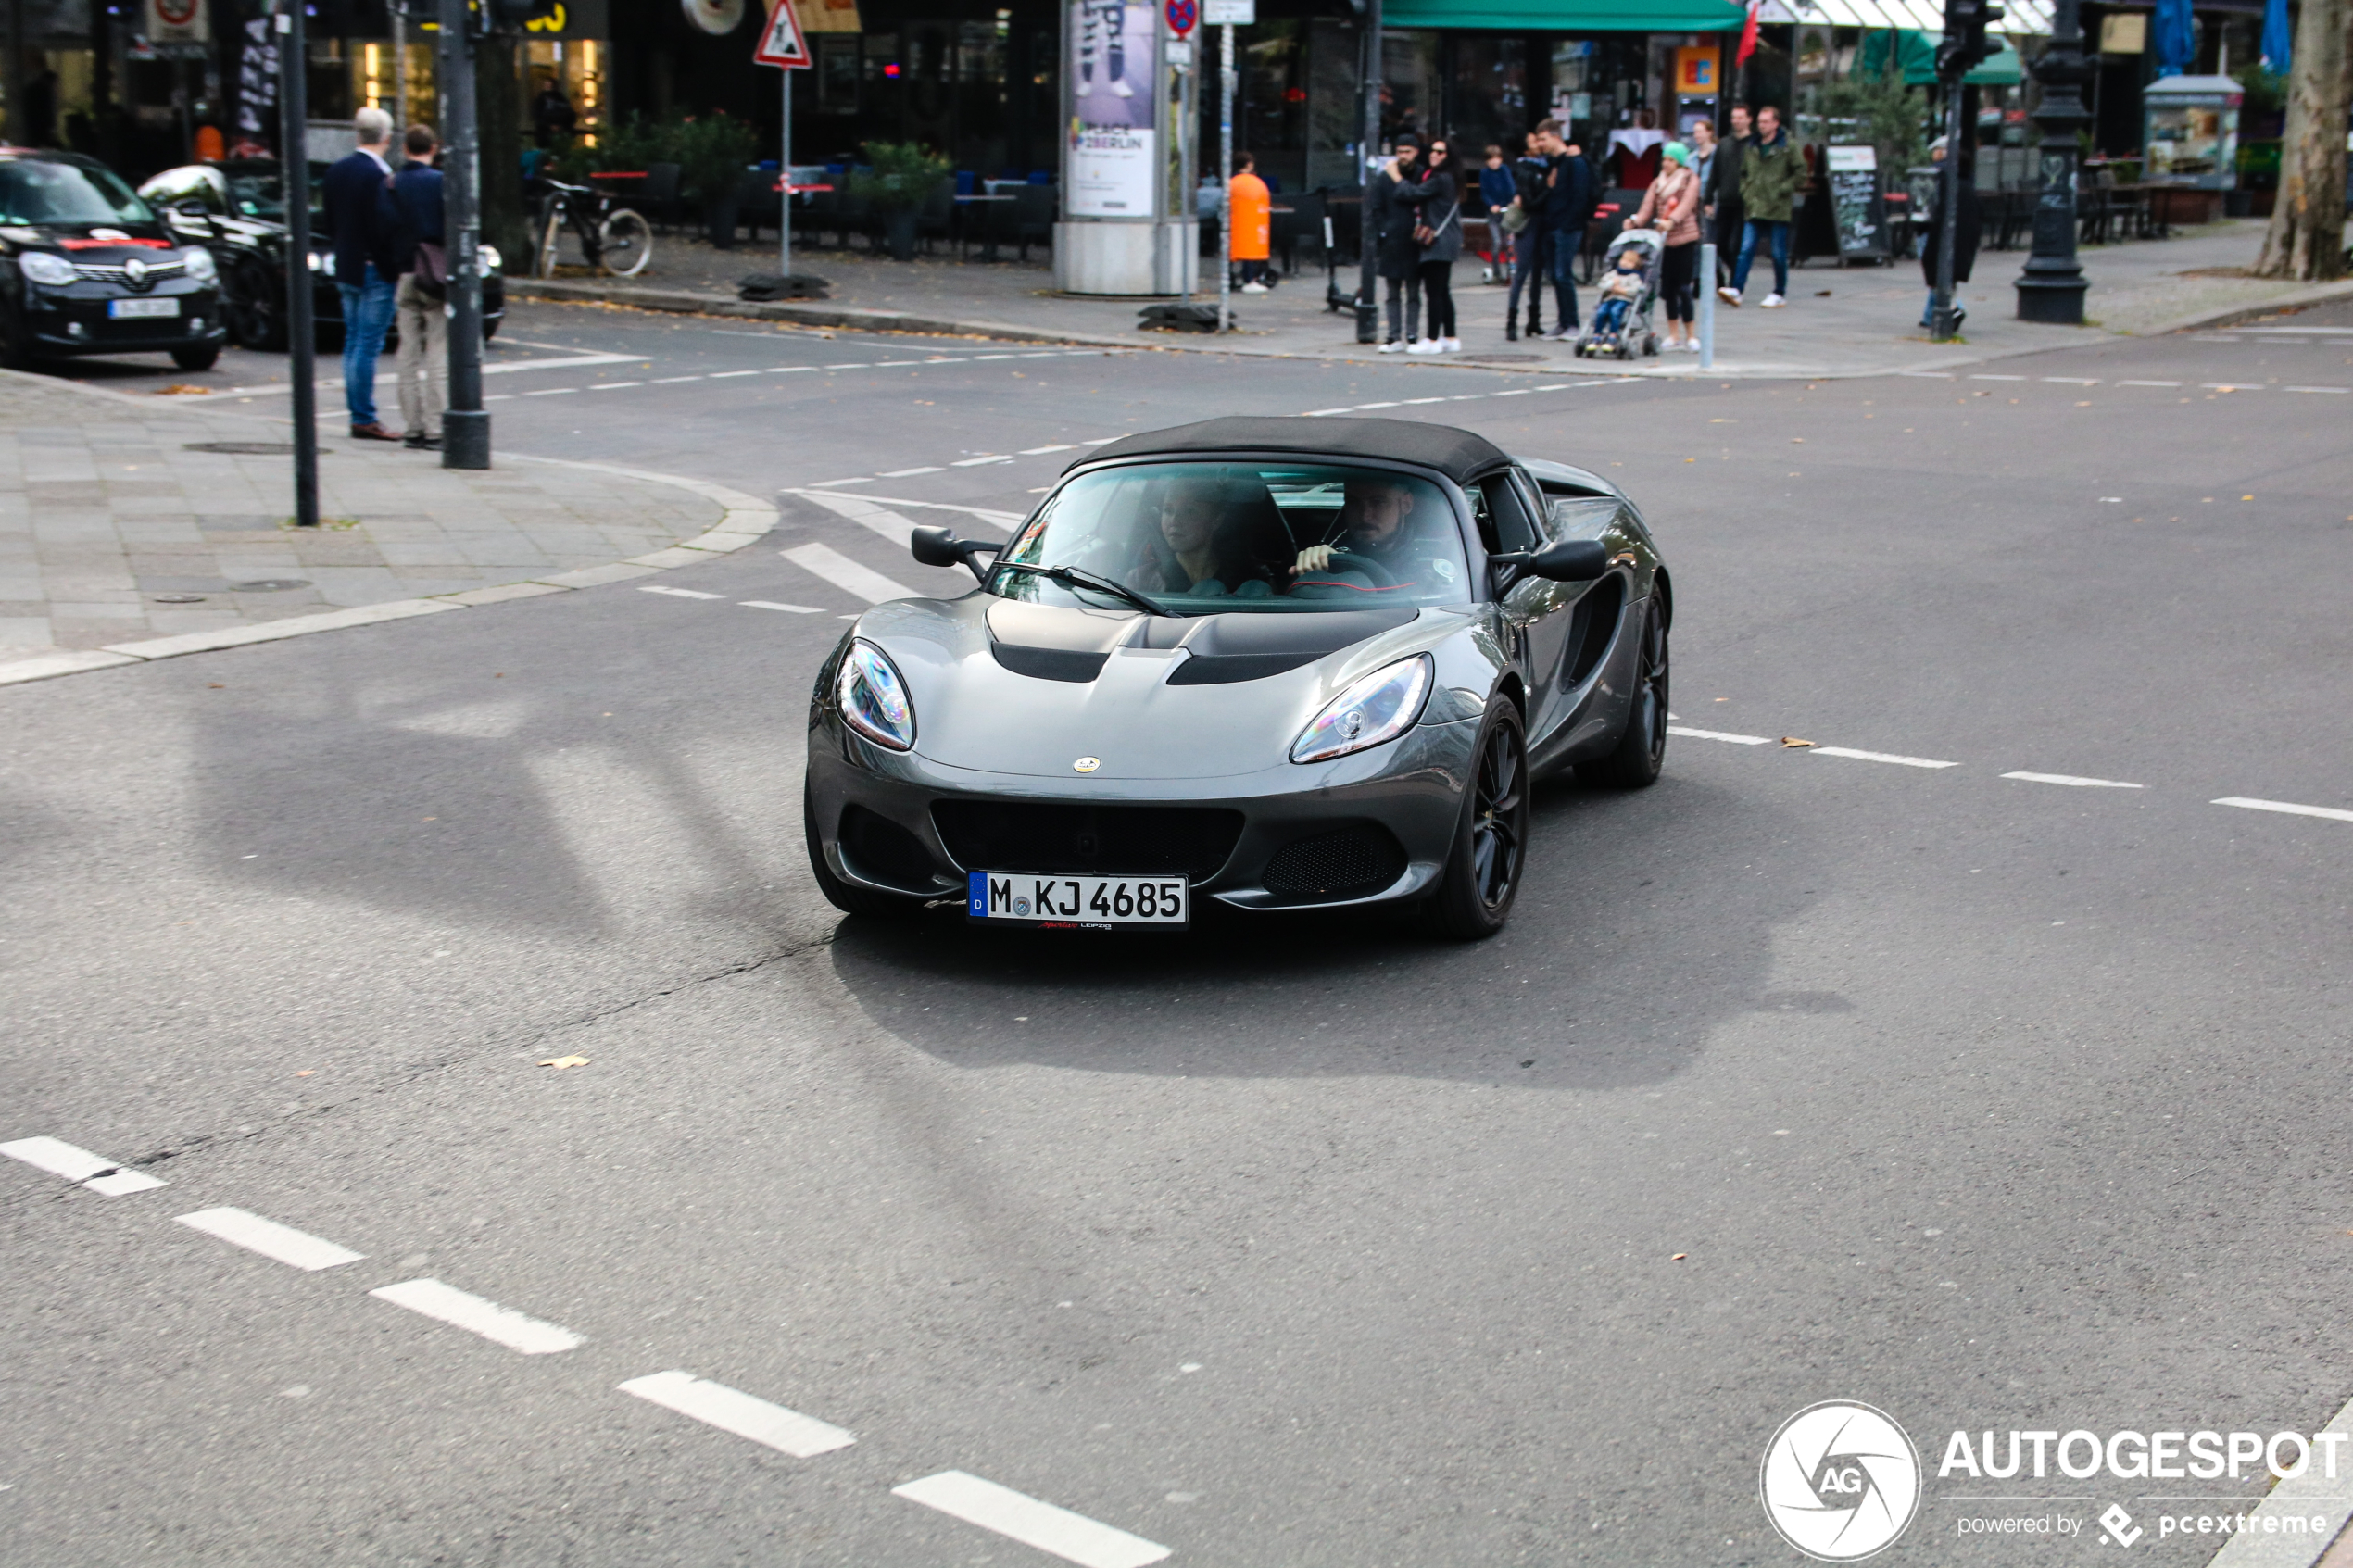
x=1620, y=324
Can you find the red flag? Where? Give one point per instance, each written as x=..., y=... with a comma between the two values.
x=1748, y=36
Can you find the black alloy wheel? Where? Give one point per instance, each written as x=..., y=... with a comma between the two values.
x=253, y=306
x=1642, y=745
x=1473, y=897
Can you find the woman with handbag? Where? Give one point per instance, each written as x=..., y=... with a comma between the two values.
x=1438, y=240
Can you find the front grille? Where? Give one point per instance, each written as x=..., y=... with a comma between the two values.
x=989, y=835
x=1346, y=864
x=99, y=273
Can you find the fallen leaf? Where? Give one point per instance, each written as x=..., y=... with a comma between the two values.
x=1793, y=743
x=181, y=389
x=1818, y=294
x=215, y=685
x=307, y=1073
x=1797, y=441
x=563, y=1061
x=1680, y=1256
x=2246, y=497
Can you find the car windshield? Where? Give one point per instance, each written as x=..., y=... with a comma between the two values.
x=1209, y=537
x=254, y=194
x=36, y=191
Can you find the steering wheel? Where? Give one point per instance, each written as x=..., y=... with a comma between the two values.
x=1349, y=560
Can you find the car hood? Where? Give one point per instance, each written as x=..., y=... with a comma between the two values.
x=1003, y=686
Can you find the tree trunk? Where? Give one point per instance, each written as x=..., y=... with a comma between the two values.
x=2307, y=236
x=498, y=101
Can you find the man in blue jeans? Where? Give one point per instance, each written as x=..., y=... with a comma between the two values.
x=1567, y=206
x=364, y=226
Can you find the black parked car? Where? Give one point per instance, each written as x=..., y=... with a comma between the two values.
x=86, y=267
x=238, y=208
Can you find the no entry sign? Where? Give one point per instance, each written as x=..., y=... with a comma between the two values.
x=1182, y=15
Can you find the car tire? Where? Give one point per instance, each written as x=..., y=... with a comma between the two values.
x=1482, y=875
x=1641, y=744
x=842, y=895
x=489, y=328
x=202, y=358
x=14, y=355
x=252, y=305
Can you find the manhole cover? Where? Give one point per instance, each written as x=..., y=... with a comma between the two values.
x=1501, y=360
x=179, y=599
x=243, y=448
x=267, y=585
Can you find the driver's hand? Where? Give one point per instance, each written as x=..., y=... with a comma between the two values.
x=1316, y=557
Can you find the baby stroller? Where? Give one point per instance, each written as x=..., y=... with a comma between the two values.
x=1633, y=333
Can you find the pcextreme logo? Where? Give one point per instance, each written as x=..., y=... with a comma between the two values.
x=1840, y=1481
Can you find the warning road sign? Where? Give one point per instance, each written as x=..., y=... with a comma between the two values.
x=780, y=42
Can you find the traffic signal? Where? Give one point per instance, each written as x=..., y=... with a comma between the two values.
x=1965, y=44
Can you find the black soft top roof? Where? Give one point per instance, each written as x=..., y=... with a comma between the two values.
x=1457, y=454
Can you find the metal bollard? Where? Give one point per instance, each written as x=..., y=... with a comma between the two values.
x=1707, y=306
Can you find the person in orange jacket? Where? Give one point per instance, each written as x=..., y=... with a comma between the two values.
x=1253, y=220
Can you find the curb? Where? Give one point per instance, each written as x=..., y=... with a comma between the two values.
x=2231, y=314
x=744, y=520
x=694, y=302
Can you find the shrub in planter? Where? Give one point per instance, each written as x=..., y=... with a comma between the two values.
x=712, y=153
x=899, y=179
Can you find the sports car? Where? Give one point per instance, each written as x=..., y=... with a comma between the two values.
x=1259, y=663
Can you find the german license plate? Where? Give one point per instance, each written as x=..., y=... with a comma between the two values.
x=1077, y=903
x=127, y=309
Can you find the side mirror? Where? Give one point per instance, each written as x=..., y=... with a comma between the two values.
x=940, y=546
x=1580, y=560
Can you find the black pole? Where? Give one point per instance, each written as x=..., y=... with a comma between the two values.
x=1944, y=328
x=2053, y=286
x=1367, y=286
x=465, y=427
x=302, y=333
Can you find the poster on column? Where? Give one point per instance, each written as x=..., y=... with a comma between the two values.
x=1109, y=164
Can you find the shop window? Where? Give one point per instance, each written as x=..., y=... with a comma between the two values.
x=837, y=73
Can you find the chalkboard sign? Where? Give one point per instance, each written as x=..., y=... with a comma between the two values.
x=1857, y=210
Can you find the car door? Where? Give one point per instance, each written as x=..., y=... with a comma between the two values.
x=1535, y=610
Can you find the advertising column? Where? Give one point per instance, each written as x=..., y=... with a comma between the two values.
x=1121, y=232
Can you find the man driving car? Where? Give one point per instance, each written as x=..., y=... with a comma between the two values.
x=1373, y=515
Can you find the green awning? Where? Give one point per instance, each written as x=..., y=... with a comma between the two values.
x=1566, y=16
x=1917, y=53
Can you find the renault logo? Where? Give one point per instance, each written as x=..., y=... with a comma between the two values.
x=1086, y=764
x=135, y=272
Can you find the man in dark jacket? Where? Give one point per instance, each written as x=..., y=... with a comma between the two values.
x=1726, y=214
x=424, y=372
x=365, y=230
x=1965, y=239
x=1567, y=207
x=1773, y=176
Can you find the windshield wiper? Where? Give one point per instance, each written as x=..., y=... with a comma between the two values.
x=1071, y=577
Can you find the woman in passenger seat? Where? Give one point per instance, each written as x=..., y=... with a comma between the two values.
x=1198, y=550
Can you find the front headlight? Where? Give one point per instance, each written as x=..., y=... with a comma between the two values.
x=200, y=265
x=873, y=700
x=1379, y=708
x=43, y=268
x=491, y=260
x=321, y=262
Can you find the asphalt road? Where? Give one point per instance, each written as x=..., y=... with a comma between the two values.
x=1994, y=1102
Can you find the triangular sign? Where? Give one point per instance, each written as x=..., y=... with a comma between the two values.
x=781, y=43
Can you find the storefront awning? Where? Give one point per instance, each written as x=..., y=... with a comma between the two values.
x=1916, y=52
x=1566, y=16
x=2021, y=19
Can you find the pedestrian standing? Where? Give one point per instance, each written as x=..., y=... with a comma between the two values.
x=1725, y=215
x=420, y=297
x=1964, y=238
x=1671, y=205
x=1568, y=206
x=1496, y=186
x=1438, y=233
x=1772, y=175
x=1527, y=243
x=364, y=227
x=1252, y=206
x=1398, y=256
x=1701, y=142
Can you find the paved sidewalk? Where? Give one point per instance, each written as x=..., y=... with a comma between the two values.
x=1841, y=321
x=124, y=520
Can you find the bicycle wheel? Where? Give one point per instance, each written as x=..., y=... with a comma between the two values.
x=551, y=235
x=627, y=244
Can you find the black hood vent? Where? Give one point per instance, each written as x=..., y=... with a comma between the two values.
x=1245, y=646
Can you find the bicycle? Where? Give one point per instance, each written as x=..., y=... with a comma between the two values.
x=612, y=238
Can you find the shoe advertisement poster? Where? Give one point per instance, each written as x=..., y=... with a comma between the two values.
x=1112, y=115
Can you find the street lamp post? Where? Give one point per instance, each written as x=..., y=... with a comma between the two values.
x=465, y=424
x=1367, y=305
x=2053, y=286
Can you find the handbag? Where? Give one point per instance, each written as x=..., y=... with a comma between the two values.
x=1515, y=218
x=432, y=271
x=1426, y=236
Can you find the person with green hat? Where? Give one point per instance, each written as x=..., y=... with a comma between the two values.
x=1671, y=205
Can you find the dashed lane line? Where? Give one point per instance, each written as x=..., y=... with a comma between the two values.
x=908, y=473
x=715, y=1404
x=1072, y=1537
x=1878, y=757
x=729, y=375
x=2148, y=383
x=2072, y=780
x=279, y=1243
x=615, y=385
x=788, y=610
x=2287, y=807
x=848, y=506
x=91, y=1172
x=2338, y=390
x=677, y=593
x=868, y=514
x=981, y=463
x=863, y=581
x=501, y=1325
x=1720, y=735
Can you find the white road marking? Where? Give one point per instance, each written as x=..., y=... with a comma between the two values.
x=723, y=375
x=1041, y=451
x=866, y=513
x=2148, y=383
x=2072, y=779
x=717, y=1405
x=1377, y=405
x=2074, y=381
x=1515, y=392
x=282, y=1244
x=788, y=610
x=1720, y=735
x=1997, y=378
x=1099, y=441
x=1072, y=1537
x=674, y=381
x=677, y=593
x=847, y=574
x=1562, y=387
x=1320, y=413
x=1411, y=401
x=615, y=385
x=1928, y=375
x=888, y=365
x=864, y=479
x=79, y=1165
x=857, y=365
x=2338, y=390
x=551, y=391
x=904, y=473
x=788, y=369
x=986, y=514
x=978, y=357
x=977, y=462
x=499, y=397
x=2331, y=812
x=2299, y=332
x=2227, y=386
x=1879, y=756
x=568, y=362
x=501, y=1325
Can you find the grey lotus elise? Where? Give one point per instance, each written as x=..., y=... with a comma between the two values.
x=1275, y=663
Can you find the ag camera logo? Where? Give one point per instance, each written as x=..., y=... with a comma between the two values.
x=1840, y=1481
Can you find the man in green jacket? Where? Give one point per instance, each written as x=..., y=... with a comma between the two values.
x=1773, y=173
